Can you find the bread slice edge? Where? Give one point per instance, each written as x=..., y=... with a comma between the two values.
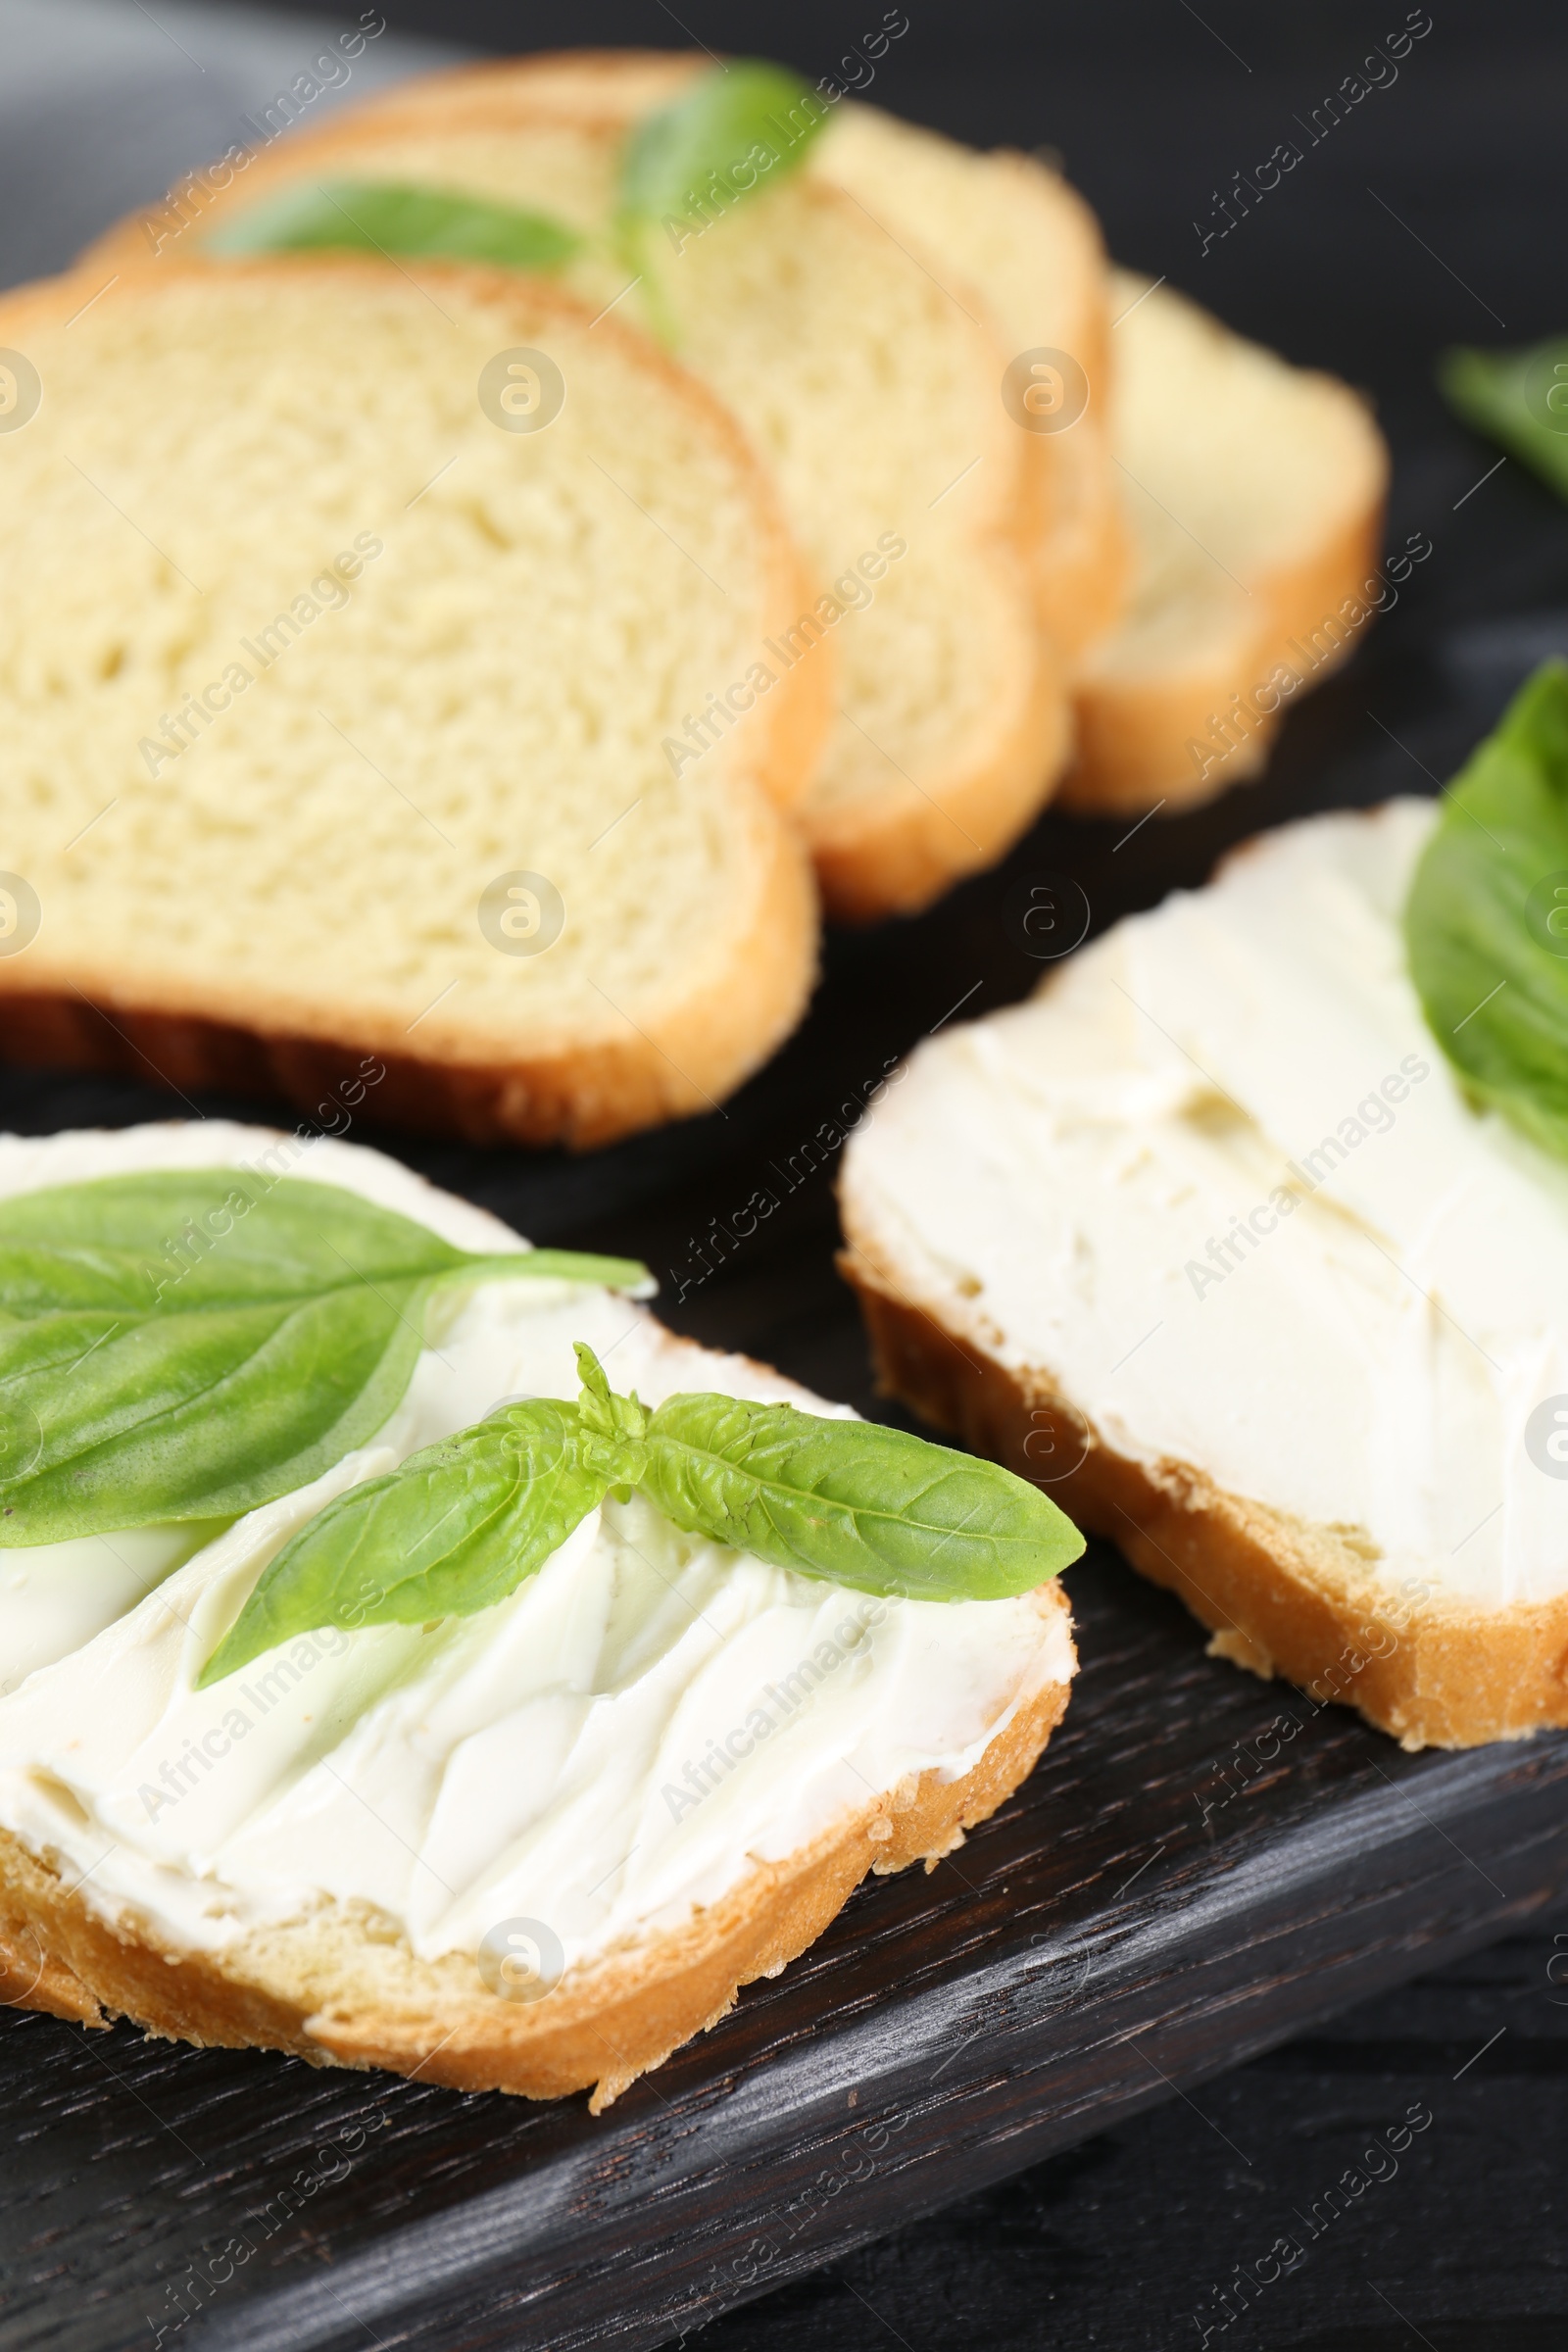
x=602, y=2025
x=1135, y=739
x=1175, y=736
x=883, y=855
x=1279, y=1598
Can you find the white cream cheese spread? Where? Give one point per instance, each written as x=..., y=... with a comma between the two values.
x=619, y=1741
x=1218, y=1180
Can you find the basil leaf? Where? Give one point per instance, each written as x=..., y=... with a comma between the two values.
x=458, y=1526
x=1485, y=922
x=607, y=1415
x=1516, y=398
x=738, y=128
x=452, y=1531
x=388, y=217
x=863, y=1506
x=189, y=1345
x=746, y=115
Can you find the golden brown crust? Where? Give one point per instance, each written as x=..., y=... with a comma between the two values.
x=601, y=2026
x=1279, y=1598
x=1072, y=521
x=579, y=1095
x=880, y=856
x=1133, y=736
x=1084, y=561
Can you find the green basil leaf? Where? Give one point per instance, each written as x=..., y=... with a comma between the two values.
x=457, y=1527
x=1485, y=922
x=453, y=1529
x=746, y=117
x=189, y=1345
x=739, y=127
x=1518, y=399
x=603, y=1412
x=388, y=217
x=853, y=1502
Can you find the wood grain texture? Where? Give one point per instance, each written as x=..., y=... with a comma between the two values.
x=1441, y=2238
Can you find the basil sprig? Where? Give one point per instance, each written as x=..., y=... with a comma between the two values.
x=461, y=1525
x=189, y=1345
x=1485, y=922
x=388, y=217
x=732, y=129
x=735, y=129
x=1518, y=399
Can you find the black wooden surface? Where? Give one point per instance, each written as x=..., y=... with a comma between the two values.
x=1164, y=1900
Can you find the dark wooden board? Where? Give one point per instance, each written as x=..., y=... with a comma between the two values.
x=1154, y=1908
x=1298, y=2165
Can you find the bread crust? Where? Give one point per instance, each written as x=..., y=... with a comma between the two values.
x=725, y=1017
x=1083, y=558
x=1279, y=1596
x=1133, y=737
x=1139, y=731
x=601, y=2026
x=551, y=1092
x=876, y=857
x=1080, y=547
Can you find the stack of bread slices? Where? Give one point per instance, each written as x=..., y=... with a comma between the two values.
x=498, y=671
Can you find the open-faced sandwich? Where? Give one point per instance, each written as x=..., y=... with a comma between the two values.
x=414, y=1655
x=1250, y=1230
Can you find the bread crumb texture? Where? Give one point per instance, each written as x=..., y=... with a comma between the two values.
x=302, y=653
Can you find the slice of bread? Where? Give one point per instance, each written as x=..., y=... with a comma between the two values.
x=1254, y=495
x=367, y=1825
x=336, y=707
x=1000, y=225
x=1014, y=230
x=869, y=377
x=1322, y=1428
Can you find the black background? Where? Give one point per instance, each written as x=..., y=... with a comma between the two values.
x=1432, y=215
